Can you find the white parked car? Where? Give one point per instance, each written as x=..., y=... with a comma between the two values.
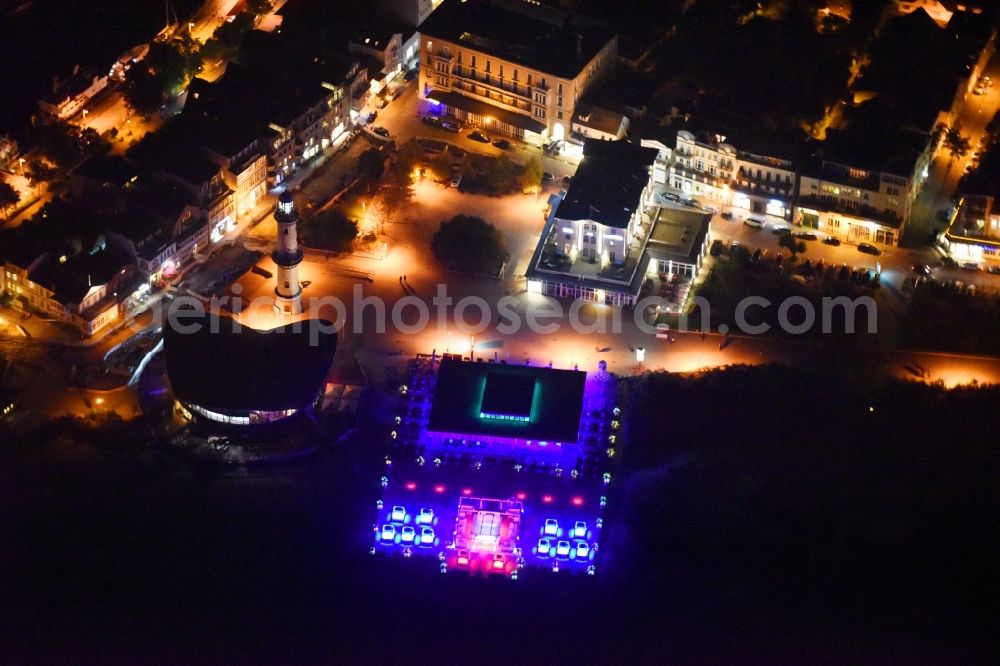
x=425, y=517
x=562, y=548
x=551, y=527
x=582, y=550
x=754, y=222
x=579, y=530
x=408, y=535
x=398, y=514
x=544, y=547
x=426, y=536
x=388, y=533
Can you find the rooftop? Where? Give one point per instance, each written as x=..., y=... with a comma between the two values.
x=608, y=184
x=678, y=234
x=239, y=369
x=598, y=118
x=465, y=390
x=543, y=38
x=108, y=169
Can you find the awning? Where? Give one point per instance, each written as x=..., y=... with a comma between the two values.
x=502, y=115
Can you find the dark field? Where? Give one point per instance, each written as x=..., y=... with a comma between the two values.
x=759, y=515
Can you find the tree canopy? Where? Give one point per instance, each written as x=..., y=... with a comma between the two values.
x=469, y=243
x=329, y=230
x=8, y=196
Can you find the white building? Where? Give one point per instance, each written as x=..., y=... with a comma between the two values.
x=703, y=166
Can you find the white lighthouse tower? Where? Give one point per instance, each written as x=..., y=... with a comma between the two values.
x=287, y=256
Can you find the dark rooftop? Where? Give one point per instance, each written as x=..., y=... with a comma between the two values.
x=508, y=395
x=72, y=280
x=544, y=38
x=108, y=169
x=554, y=413
x=608, y=183
x=239, y=369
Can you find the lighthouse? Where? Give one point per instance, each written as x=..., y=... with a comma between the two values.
x=287, y=256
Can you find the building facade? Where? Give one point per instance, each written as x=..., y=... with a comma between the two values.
x=481, y=63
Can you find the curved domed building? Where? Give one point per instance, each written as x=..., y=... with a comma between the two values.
x=224, y=372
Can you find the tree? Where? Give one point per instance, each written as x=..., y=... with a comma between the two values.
x=469, y=243
x=161, y=73
x=370, y=164
x=956, y=144
x=397, y=186
x=8, y=197
x=791, y=243
x=39, y=172
x=330, y=230
x=530, y=178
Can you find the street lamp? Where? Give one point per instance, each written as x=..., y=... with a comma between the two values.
x=21, y=162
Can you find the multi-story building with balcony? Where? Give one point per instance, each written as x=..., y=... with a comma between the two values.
x=764, y=184
x=861, y=187
x=703, y=166
x=973, y=233
x=512, y=67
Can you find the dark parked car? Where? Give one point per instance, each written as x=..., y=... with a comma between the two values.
x=717, y=247
x=726, y=216
x=922, y=269
x=476, y=135
x=432, y=120
x=502, y=144
x=371, y=117
x=411, y=74
x=830, y=240
x=546, y=176
x=868, y=248
x=948, y=262
x=451, y=126
x=805, y=235
x=566, y=180
x=381, y=131
x=970, y=266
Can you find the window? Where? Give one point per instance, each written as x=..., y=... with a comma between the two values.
x=559, y=115
x=473, y=64
x=487, y=66
x=501, y=71
x=560, y=91
x=459, y=58
x=515, y=75
x=569, y=235
x=529, y=79
x=559, y=101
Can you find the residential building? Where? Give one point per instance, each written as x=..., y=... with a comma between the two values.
x=512, y=67
x=605, y=237
x=862, y=187
x=703, y=166
x=973, y=233
x=409, y=12
x=69, y=96
x=594, y=122
x=395, y=47
x=764, y=182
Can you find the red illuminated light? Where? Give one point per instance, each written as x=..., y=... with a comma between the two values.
x=546, y=498
x=521, y=496
x=439, y=488
x=577, y=501
x=411, y=486
x=466, y=491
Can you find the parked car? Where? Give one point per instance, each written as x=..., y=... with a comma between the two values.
x=717, y=247
x=427, y=537
x=980, y=90
x=451, y=126
x=727, y=215
x=544, y=547
x=382, y=103
x=579, y=529
x=546, y=176
x=456, y=179
x=710, y=209
x=582, y=550
x=381, y=131
x=778, y=229
x=993, y=270
x=411, y=74
x=970, y=266
x=690, y=203
x=432, y=120
x=868, y=248
x=551, y=527
x=830, y=240
x=669, y=196
x=476, y=135
x=566, y=180
x=502, y=144
x=754, y=222
x=948, y=262
x=425, y=516
x=398, y=514
x=562, y=548
x=733, y=247
x=805, y=235
x=922, y=269
x=407, y=535
x=371, y=117
x=388, y=533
